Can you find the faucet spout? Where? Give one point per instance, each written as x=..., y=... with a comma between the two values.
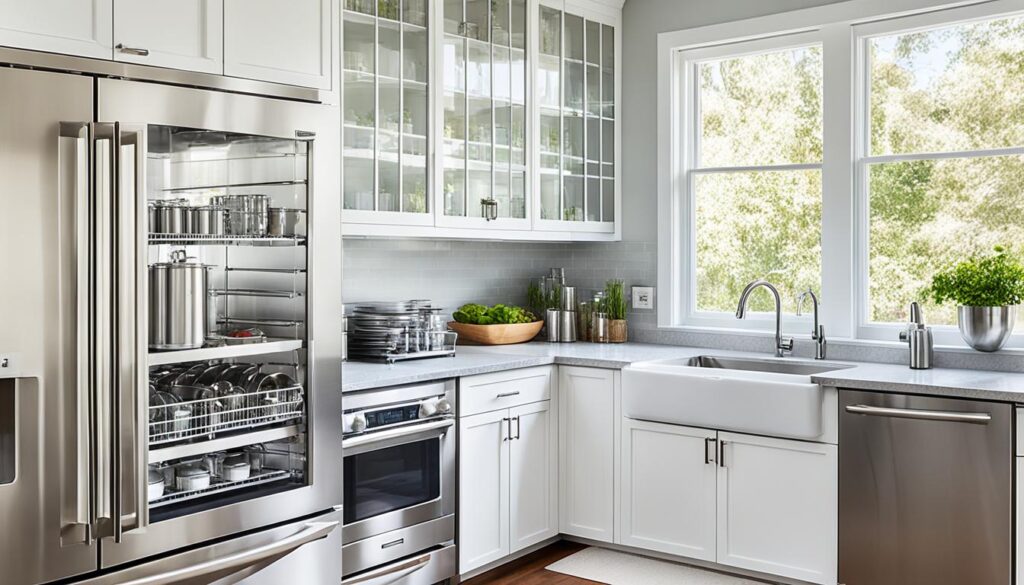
x=818, y=333
x=782, y=345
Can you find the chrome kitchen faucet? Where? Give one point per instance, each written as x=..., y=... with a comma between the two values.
x=818, y=332
x=782, y=345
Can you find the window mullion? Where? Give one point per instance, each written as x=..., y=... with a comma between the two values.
x=838, y=263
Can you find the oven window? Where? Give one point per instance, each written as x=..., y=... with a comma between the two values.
x=391, y=479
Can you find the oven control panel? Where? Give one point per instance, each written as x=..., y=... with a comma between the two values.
x=366, y=420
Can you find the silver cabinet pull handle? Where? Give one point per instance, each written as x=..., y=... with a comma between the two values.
x=507, y=394
x=313, y=531
x=132, y=50
x=395, y=572
x=980, y=418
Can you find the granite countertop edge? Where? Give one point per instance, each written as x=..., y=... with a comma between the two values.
x=969, y=384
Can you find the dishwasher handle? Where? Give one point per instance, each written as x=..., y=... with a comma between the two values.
x=979, y=418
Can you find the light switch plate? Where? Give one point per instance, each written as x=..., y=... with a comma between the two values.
x=643, y=297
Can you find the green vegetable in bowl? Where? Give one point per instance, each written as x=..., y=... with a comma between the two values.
x=497, y=315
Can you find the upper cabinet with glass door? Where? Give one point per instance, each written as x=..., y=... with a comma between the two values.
x=386, y=72
x=482, y=174
x=577, y=133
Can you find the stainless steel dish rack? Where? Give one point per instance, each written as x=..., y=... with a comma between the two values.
x=218, y=487
x=396, y=331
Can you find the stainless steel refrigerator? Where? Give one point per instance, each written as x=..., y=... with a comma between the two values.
x=122, y=460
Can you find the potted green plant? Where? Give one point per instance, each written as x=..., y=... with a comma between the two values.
x=615, y=306
x=987, y=290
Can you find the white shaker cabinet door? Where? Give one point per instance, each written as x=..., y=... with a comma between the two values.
x=534, y=475
x=778, y=507
x=668, y=489
x=72, y=27
x=184, y=34
x=483, y=489
x=586, y=404
x=279, y=41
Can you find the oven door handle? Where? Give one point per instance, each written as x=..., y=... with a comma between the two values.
x=390, y=574
x=395, y=437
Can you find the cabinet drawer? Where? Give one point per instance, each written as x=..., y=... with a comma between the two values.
x=488, y=392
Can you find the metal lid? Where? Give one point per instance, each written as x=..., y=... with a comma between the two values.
x=192, y=470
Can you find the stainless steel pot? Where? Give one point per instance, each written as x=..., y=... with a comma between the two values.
x=986, y=328
x=171, y=218
x=207, y=220
x=283, y=221
x=178, y=303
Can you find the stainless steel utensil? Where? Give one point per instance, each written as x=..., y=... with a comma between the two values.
x=283, y=221
x=553, y=325
x=567, y=326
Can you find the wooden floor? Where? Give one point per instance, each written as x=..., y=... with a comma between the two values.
x=530, y=570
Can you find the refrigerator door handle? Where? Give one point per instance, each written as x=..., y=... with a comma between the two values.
x=129, y=422
x=77, y=473
x=233, y=563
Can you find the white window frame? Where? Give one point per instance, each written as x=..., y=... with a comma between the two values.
x=841, y=30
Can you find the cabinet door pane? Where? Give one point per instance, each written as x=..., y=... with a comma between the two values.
x=593, y=39
x=550, y=191
x=502, y=133
x=414, y=12
x=414, y=54
x=502, y=69
x=518, y=195
x=518, y=76
x=574, y=38
x=500, y=24
x=479, y=69
x=594, y=103
x=389, y=49
x=453, y=16
x=477, y=25
x=518, y=26
x=364, y=6
x=572, y=210
x=414, y=189
x=608, y=200
x=360, y=45
x=518, y=136
x=502, y=184
x=477, y=188
x=608, y=70
x=455, y=192
x=479, y=129
x=574, y=87
x=387, y=9
x=593, y=199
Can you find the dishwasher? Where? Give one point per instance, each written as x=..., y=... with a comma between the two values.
x=925, y=490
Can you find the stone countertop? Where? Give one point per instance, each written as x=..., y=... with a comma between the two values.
x=472, y=360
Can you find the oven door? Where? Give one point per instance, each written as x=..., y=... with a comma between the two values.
x=398, y=477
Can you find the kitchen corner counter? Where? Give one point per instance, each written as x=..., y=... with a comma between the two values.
x=472, y=360
x=972, y=384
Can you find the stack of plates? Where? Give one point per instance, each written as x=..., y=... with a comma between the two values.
x=392, y=331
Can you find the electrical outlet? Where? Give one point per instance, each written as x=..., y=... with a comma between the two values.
x=643, y=297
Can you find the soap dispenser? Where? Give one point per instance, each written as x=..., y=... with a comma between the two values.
x=919, y=337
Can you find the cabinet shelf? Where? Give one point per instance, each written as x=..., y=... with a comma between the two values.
x=211, y=240
x=234, y=185
x=222, y=353
x=219, y=488
x=252, y=292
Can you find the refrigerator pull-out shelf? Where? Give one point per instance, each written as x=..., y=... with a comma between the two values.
x=206, y=417
x=160, y=454
x=224, y=352
x=219, y=487
x=252, y=292
x=206, y=239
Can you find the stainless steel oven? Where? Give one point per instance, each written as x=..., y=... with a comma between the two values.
x=399, y=493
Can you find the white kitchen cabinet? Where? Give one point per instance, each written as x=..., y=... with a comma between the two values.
x=1020, y=513
x=523, y=134
x=577, y=128
x=777, y=507
x=533, y=479
x=185, y=34
x=588, y=399
x=386, y=68
x=508, y=465
x=73, y=27
x=483, y=489
x=669, y=476
x=282, y=42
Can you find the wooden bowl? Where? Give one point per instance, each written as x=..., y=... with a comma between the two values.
x=496, y=334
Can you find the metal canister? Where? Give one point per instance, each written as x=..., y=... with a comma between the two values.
x=567, y=326
x=553, y=323
x=178, y=303
x=599, y=328
x=568, y=298
x=151, y=218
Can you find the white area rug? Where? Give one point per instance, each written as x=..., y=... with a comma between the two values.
x=617, y=568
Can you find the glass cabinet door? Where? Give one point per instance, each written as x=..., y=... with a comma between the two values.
x=576, y=108
x=386, y=106
x=483, y=142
